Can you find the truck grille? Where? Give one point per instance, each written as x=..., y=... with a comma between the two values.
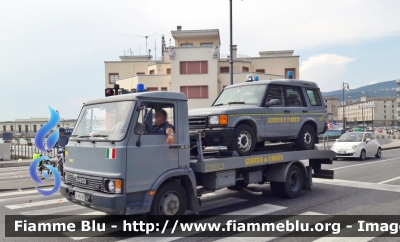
x=92, y=183
x=197, y=122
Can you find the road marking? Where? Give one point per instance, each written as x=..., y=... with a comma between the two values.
x=255, y=211
x=218, y=203
x=34, y=204
x=54, y=210
x=73, y=218
x=211, y=204
x=367, y=163
x=356, y=184
x=349, y=232
x=393, y=179
x=20, y=198
x=261, y=238
x=6, y=194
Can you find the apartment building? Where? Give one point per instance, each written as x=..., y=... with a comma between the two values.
x=381, y=111
x=195, y=67
x=332, y=104
x=398, y=100
x=32, y=125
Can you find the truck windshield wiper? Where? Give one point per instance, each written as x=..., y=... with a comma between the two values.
x=100, y=135
x=84, y=136
x=237, y=103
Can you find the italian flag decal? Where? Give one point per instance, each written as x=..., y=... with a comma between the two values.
x=111, y=153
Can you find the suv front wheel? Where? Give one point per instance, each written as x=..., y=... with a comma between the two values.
x=243, y=140
x=306, y=138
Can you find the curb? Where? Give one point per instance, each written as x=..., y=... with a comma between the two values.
x=22, y=188
x=391, y=148
x=14, y=164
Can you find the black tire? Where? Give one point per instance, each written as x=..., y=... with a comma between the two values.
x=363, y=155
x=276, y=188
x=378, y=153
x=306, y=138
x=244, y=135
x=168, y=194
x=294, y=183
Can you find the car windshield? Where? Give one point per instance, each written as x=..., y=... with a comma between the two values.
x=105, y=121
x=351, y=137
x=251, y=94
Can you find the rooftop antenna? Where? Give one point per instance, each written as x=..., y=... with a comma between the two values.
x=162, y=47
x=146, y=36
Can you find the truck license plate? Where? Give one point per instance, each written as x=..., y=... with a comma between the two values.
x=79, y=196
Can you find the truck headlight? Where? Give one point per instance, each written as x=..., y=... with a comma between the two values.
x=213, y=120
x=218, y=119
x=114, y=186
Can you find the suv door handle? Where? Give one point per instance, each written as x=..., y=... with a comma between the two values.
x=286, y=111
x=305, y=111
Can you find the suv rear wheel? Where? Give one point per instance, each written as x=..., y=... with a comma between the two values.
x=243, y=140
x=306, y=138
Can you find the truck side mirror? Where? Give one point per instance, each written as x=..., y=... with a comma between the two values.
x=273, y=102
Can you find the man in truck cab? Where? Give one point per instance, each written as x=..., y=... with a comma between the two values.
x=162, y=126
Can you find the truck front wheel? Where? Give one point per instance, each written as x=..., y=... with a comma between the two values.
x=170, y=201
x=243, y=140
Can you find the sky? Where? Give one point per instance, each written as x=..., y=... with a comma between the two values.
x=52, y=53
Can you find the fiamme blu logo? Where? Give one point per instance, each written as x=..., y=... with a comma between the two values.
x=51, y=141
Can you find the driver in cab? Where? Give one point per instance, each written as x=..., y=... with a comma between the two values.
x=162, y=126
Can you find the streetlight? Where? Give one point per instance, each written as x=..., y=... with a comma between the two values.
x=231, y=48
x=347, y=104
x=347, y=87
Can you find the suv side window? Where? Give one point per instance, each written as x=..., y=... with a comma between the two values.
x=294, y=97
x=275, y=92
x=314, y=97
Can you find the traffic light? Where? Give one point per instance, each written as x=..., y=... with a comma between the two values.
x=109, y=92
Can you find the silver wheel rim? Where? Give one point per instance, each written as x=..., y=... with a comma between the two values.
x=169, y=204
x=379, y=152
x=244, y=141
x=307, y=139
x=363, y=155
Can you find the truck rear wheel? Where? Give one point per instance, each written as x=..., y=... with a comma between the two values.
x=243, y=140
x=170, y=201
x=293, y=184
x=306, y=138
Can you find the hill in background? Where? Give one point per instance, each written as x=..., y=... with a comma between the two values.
x=381, y=89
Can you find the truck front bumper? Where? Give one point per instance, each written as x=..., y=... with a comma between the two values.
x=105, y=202
x=217, y=136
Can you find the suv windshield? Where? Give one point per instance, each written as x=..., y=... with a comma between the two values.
x=251, y=94
x=107, y=121
x=351, y=137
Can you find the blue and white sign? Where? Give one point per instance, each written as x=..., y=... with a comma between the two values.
x=334, y=122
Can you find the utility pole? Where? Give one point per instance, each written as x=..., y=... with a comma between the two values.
x=231, y=47
x=344, y=86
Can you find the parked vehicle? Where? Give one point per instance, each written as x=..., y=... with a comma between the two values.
x=379, y=129
x=331, y=134
x=357, y=145
x=246, y=115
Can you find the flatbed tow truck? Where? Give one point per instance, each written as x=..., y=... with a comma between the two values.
x=145, y=175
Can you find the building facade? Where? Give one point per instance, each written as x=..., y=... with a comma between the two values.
x=332, y=104
x=195, y=67
x=371, y=111
x=398, y=100
x=31, y=126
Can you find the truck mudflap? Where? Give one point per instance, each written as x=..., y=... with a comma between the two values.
x=318, y=172
x=105, y=202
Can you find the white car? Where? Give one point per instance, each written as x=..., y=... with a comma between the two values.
x=357, y=145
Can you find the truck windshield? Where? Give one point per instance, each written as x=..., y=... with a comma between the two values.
x=251, y=94
x=105, y=121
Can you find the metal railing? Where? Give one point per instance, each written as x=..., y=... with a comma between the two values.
x=27, y=151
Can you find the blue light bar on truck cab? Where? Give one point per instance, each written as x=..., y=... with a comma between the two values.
x=140, y=87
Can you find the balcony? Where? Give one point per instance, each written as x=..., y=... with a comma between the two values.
x=238, y=57
x=398, y=90
x=398, y=81
x=398, y=100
